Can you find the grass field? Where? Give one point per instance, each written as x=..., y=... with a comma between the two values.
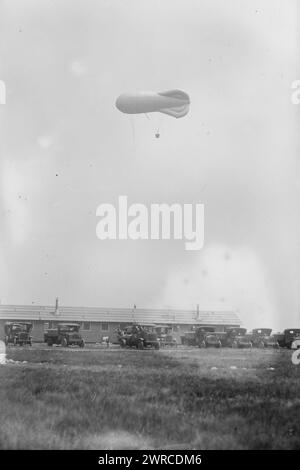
x=127, y=399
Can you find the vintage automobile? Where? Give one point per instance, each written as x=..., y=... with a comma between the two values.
x=165, y=336
x=196, y=335
x=236, y=337
x=167, y=340
x=210, y=340
x=139, y=337
x=205, y=337
x=188, y=338
x=18, y=333
x=288, y=337
x=242, y=341
x=65, y=334
x=262, y=338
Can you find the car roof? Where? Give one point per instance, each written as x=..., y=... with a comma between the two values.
x=262, y=329
x=236, y=328
x=206, y=328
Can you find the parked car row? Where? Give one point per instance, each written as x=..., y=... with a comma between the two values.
x=159, y=336
x=239, y=338
x=65, y=334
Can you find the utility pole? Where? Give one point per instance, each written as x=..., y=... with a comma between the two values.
x=56, y=307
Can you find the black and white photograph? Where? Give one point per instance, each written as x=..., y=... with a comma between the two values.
x=149, y=228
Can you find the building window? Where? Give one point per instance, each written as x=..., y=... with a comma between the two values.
x=86, y=325
x=104, y=326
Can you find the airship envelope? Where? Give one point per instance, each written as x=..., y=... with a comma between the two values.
x=174, y=103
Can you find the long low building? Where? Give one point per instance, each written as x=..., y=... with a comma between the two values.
x=97, y=322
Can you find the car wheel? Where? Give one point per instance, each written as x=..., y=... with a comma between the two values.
x=49, y=343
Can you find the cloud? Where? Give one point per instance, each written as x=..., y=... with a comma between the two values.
x=79, y=68
x=45, y=141
x=224, y=278
x=14, y=199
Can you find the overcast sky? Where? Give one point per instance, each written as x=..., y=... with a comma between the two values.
x=65, y=149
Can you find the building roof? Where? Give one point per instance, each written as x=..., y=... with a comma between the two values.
x=118, y=315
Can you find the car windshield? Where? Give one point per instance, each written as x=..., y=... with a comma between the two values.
x=70, y=328
x=19, y=327
x=238, y=332
x=263, y=331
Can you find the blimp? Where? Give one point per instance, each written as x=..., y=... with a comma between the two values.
x=175, y=103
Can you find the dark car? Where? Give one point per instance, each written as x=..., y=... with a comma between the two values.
x=205, y=336
x=236, y=337
x=139, y=337
x=167, y=340
x=202, y=332
x=288, y=337
x=242, y=341
x=65, y=334
x=262, y=338
x=165, y=336
x=189, y=338
x=210, y=340
x=18, y=333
